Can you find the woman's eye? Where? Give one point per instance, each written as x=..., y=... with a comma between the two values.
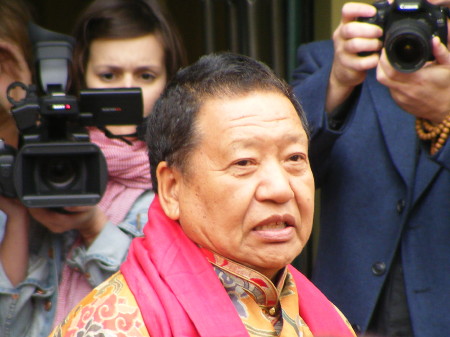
x=147, y=77
x=107, y=76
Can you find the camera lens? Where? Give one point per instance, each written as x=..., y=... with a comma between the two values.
x=59, y=173
x=408, y=50
x=408, y=44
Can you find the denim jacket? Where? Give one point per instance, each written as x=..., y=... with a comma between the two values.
x=28, y=309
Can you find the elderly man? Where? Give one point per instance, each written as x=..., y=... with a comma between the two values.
x=228, y=149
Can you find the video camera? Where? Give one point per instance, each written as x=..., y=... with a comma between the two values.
x=56, y=165
x=408, y=28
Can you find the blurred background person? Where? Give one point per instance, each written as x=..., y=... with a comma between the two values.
x=381, y=158
x=125, y=44
x=50, y=261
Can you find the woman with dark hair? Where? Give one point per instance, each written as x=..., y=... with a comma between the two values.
x=122, y=20
x=118, y=43
x=121, y=44
x=125, y=44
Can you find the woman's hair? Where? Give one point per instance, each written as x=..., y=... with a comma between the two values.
x=14, y=18
x=122, y=19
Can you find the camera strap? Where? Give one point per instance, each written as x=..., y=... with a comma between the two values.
x=111, y=135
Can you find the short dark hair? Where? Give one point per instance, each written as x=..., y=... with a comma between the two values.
x=122, y=19
x=171, y=132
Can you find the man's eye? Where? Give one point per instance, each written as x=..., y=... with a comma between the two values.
x=243, y=162
x=295, y=157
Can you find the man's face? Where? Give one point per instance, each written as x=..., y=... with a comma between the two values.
x=248, y=190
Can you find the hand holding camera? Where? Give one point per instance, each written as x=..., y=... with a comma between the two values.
x=56, y=165
x=421, y=91
x=87, y=220
x=350, y=38
x=408, y=29
x=417, y=85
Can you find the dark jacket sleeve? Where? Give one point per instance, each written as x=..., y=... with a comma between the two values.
x=310, y=83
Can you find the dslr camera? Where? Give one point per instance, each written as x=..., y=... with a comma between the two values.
x=408, y=28
x=55, y=164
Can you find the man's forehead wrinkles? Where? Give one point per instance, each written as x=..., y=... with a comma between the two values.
x=259, y=117
x=289, y=137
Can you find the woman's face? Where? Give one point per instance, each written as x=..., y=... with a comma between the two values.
x=127, y=63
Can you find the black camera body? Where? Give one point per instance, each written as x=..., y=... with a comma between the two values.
x=56, y=165
x=408, y=28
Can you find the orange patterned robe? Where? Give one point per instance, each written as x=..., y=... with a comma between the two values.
x=264, y=308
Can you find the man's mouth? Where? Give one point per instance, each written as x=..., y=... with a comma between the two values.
x=276, y=229
x=279, y=225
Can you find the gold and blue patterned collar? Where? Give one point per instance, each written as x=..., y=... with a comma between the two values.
x=260, y=287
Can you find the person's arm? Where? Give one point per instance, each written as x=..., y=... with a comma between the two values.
x=104, y=245
x=350, y=39
x=101, y=259
x=327, y=78
x=14, y=245
x=107, y=251
x=104, y=256
x=27, y=281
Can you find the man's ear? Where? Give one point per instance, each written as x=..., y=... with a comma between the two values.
x=168, y=188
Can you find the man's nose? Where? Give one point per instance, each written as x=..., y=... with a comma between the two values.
x=274, y=184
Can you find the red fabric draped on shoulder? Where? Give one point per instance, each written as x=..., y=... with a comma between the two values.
x=179, y=293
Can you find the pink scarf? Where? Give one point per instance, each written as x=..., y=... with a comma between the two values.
x=128, y=178
x=72, y=289
x=179, y=293
x=128, y=174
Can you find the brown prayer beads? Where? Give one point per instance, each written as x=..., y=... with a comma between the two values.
x=437, y=134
